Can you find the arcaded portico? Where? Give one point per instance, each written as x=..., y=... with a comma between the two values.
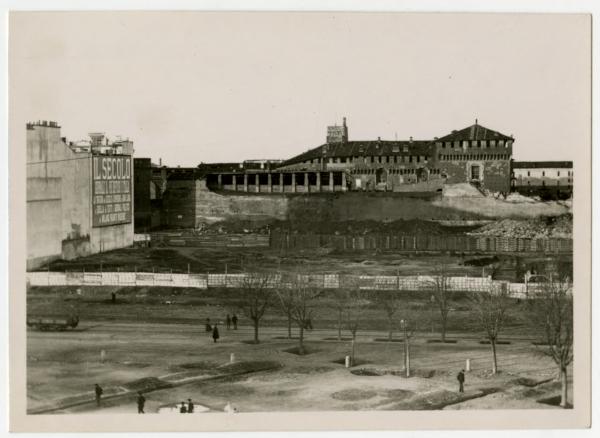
x=279, y=182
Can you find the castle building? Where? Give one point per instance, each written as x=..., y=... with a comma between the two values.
x=476, y=155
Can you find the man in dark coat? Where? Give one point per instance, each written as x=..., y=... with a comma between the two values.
x=190, y=408
x=98, y=390
x=182, y=408
x=461, y=381
x=215, y=333
x=141, y=401
x=234, y=320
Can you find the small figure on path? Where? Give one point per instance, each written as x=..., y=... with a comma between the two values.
x=190, y=406
x=309, y=325
x=234, y=320
x=461, y=381
x=113, y=297
x=228, y=321
x=208, y=326
x=215, y=333
x=98, y=390
x=182, y=408
x=141, y=401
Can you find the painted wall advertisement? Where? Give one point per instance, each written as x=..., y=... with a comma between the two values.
x=111, y=190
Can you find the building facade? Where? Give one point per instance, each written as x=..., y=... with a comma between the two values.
x=543, y=178
x=79, y=202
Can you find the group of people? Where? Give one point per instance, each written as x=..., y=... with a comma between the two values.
x=187, y=409
x=214, y=329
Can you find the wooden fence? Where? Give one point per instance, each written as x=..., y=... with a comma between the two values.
x=417, y=283
x=457, y=243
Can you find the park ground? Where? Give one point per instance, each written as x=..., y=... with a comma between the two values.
x=153, y=339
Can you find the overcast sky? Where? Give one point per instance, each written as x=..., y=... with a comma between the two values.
x=216, y=87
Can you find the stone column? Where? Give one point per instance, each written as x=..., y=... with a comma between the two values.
x=306, y=183
x=293, y=182
x=245, y=182
x=234, y=181
x=220, y=181
x=318, y=181
x=281, y=183
x=331, y=181
x=344, y=182
x=269, y=183
x=257, y=183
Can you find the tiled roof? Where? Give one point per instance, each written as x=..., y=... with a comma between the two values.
x=475, y=132
x=542, y=164
x=362, y=148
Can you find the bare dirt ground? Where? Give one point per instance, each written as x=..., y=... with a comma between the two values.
x=67, y=364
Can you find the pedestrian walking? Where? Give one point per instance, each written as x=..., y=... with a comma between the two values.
x=215, y=333
x=208, y=327
x=461, y=381
x=228, y=321
x=182, y=408
x=309, y=325
x=234, y=320
x=98, y=390
x=190, y=406
x=141, y=401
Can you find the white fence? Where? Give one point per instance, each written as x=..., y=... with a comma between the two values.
x=327, y=281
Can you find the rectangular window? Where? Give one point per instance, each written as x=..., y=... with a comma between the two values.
x=528, y=173
x=492, y=143
x=474, y=143
x=483, y=143
x=475, y=172
x=501, y=143
x=543, y=173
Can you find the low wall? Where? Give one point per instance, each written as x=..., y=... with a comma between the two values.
x=421, y=283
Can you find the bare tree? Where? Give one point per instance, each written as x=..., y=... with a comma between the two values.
x=442, y=294
x=492, y=306
x=389, y=301
x=285, y=302
x=553, y=311
x=353, y=317
x=341, y=299
x=299, y=299
x=257, y=296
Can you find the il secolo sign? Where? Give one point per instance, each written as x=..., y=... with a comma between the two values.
x=111, y=190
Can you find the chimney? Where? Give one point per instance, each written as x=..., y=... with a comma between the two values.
x=160, y=162
x=411, y=139
x=344, y=123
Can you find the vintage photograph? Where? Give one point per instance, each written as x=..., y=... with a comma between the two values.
x=231, y=213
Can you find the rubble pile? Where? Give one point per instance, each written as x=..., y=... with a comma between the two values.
x=538, y=228
x=461, y=190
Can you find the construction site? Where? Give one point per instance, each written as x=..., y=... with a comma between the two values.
x=355, y=276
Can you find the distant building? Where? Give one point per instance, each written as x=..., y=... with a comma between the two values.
x=542, y=178
x=79, y=201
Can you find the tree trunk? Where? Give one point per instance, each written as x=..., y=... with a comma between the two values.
x=353, y=349
x=339, y=325
x=495, y=361
x=301, y=340
x=444, y=328
x=563, y=381
x=289, y=327
x=256, y=341
x=390, y=329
